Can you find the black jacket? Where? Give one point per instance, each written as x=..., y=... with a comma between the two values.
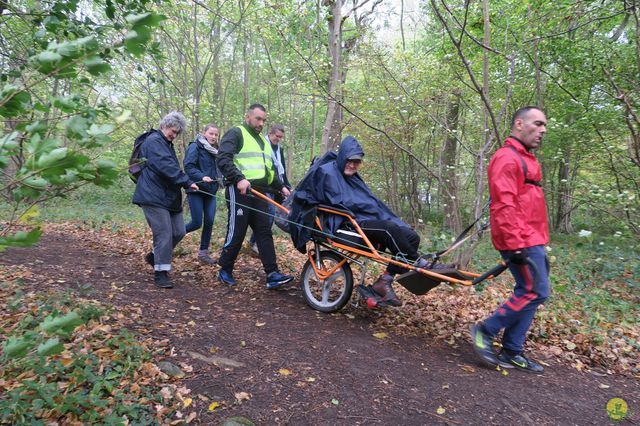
x=161, y=178
x=198, y=163
x=230, y=145
x=284, y=179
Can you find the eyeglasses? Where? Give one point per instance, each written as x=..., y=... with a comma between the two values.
x=354, y=161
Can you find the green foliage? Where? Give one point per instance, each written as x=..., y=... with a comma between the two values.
x=55, y=125
x=52, y=371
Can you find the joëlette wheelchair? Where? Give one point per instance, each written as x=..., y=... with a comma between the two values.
x=327, y=277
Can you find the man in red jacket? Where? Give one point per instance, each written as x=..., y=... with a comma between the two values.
x=519, y=231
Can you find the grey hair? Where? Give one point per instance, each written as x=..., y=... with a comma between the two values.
x=174, y=120
x=276, y=128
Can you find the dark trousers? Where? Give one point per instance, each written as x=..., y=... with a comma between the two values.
x=401, y=241
x=247, y=211
x=516, y=313
x=272, y=212
x=202, y=206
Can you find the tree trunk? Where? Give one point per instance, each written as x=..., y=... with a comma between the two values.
x=312, y=148
x=197, y=80
x=564, y=205
x=448, y=166
x=331, y=132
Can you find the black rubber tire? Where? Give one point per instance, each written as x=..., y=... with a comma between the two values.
x=334, y=297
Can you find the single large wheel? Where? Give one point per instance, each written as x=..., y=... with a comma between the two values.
x=333, y=293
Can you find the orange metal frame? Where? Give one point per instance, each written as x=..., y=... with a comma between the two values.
x=371, y=254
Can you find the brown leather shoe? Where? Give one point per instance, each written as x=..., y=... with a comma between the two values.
x=382, y=286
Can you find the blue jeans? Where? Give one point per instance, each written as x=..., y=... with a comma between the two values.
x=516, y=314
x=202, y=206
x=271, y=211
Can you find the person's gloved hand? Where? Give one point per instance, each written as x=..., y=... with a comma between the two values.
x=518, y=257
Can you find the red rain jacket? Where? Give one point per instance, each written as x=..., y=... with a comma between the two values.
x=518, y=209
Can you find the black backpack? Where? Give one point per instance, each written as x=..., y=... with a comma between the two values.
x=136, y=164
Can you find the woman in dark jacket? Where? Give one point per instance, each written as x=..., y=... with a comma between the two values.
x=200, y=165
x=158, y=194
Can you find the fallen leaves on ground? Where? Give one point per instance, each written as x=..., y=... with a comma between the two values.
x=102, y=346
x=445, y=312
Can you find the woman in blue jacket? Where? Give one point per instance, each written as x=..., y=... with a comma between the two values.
x=158, y=193
x=200, y=166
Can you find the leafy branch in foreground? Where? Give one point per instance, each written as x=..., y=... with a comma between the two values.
x=54, y=120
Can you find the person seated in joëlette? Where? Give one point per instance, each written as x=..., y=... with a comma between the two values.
x=334, y=181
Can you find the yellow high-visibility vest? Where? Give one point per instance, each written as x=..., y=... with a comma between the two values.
x=253, y=161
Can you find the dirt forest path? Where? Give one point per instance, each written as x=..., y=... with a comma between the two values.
x=297, y=366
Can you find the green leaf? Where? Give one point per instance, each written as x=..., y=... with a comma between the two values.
x=13, y=101
x=77, y=127
x=109, y=9
x=134, y=41
x=103, y=129
x=51, y=23
x=17, y=347
x=52, y=157
x=106, y=173
x=145, y=19
x=35, y=182
x=37, y=127
x=141, y=26
x=47, y=61
x=65, y=323
x=8, y=143
x=66, y=104
x=50, y=347
x=96, y=65
x=76, y=48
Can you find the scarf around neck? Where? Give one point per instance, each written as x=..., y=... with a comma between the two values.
x=206, y=145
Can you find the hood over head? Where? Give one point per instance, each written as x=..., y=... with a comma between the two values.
x=349, y=149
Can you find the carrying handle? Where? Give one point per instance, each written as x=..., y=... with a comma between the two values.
x=492, y=273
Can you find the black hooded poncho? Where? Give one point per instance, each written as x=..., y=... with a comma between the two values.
x=325, y=183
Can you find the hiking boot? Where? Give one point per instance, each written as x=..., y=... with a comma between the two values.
x=150, y=259
x=370, y=297
x=483, y=345
x=422, y=263
x=161, y=279
x=206, y=259
x=275, y=279
x=382, y=286
x=226, y=277
x=520, y=362
x=254, y=249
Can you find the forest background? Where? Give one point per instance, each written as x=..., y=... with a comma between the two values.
x=427, y=87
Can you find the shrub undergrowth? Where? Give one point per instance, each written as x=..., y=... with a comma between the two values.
x=63, y=361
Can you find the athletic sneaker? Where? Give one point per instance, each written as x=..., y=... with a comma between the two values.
x=226, y=277
x=207, y=260
x=520, y=361
x=275, y=279
x=483, y=345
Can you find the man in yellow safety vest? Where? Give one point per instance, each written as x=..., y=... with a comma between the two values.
x=245, y=159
